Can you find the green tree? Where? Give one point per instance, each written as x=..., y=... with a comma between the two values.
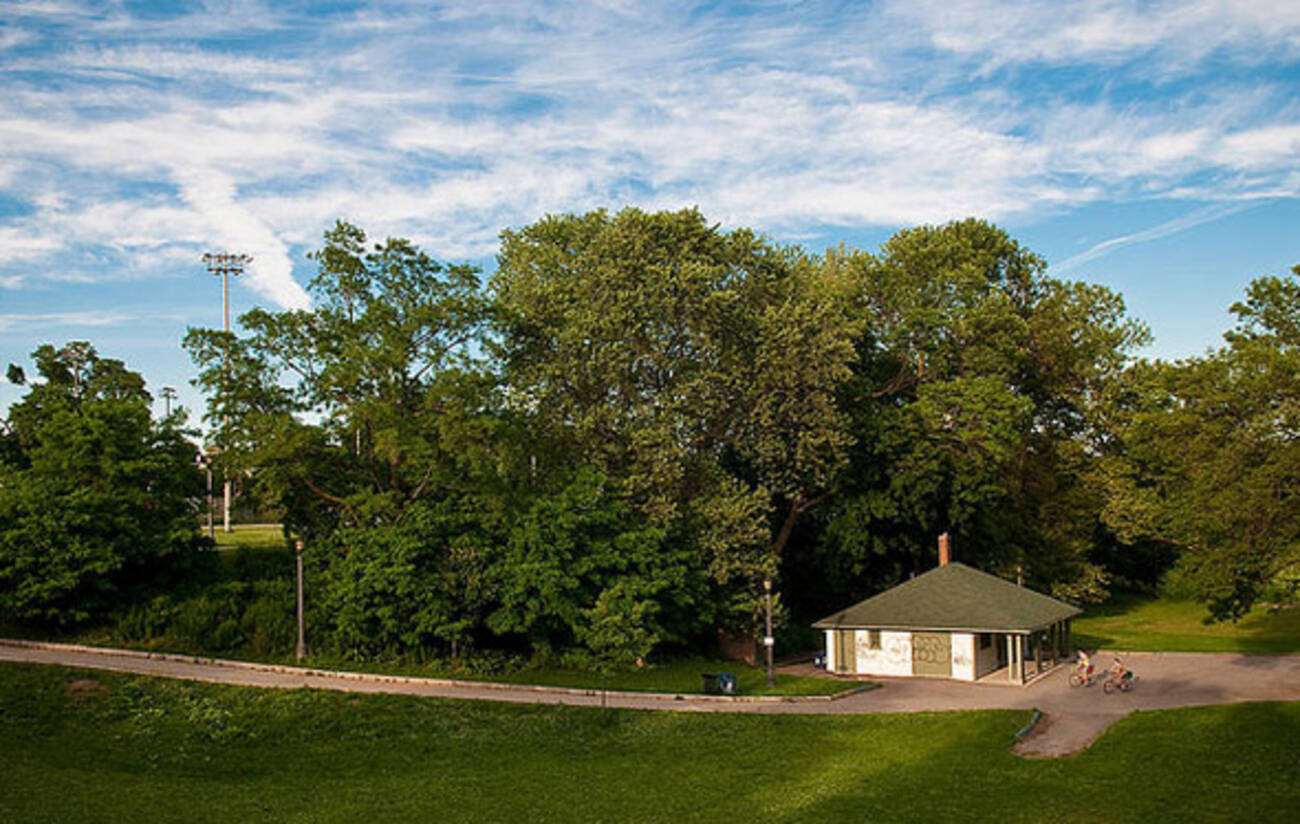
x=696, y=369
x=1207, y=453
x=378, y=363
x=95, y=496
x=973, y=408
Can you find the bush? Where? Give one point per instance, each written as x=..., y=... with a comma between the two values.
x=145, y=622
x=269, y=622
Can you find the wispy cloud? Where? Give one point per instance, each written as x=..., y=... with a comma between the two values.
x=1207, y=214
x=147, y=140
x=73, y=320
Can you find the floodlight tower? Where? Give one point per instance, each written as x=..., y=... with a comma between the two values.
x=226, y=264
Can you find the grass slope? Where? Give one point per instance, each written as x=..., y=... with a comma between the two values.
x=1136, y=622
x=250, y=536
x=673, y=676
x=159, y=751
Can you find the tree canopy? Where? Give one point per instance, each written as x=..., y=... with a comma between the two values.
x=1207, y=453
x=95, y=496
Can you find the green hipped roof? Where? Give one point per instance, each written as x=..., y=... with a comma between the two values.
x=954, y=597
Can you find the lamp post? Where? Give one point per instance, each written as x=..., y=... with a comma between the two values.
x=226, y=264
x=301, y=651
x=768, y=640
x=201, y=460
x=169, y=394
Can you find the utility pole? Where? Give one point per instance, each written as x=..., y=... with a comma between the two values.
x=169, y=394
x=768, y=640
x=301, y=651
x=226, y=264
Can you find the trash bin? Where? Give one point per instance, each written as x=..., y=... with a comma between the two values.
x=726, y=683
x=710, y=686
x=819, y=660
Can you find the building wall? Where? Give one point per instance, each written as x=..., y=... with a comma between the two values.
x=894, y=657
x=963, y=655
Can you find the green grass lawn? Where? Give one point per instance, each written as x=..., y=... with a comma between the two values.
x=251, y=536
x=141, y=749
x=673, y=676
x=1134, y=622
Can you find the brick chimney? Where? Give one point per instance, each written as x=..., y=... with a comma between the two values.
x=945, y=552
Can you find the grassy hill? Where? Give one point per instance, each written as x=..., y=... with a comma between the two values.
x=97, y=747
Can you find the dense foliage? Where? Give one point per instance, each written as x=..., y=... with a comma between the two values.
x=1206, y=454
x=972, y=405
x=608, y=446
x=95, y=496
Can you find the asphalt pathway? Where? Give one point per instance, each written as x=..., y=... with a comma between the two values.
x=1073, y=716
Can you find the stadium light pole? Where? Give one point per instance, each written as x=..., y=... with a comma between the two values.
x=226, y=264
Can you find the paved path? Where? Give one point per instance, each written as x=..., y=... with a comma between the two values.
x=1073, y=717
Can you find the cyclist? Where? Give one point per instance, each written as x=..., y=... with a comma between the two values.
x=1085, y=667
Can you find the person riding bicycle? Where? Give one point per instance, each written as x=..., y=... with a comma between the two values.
x=1118, y=672
x=1085, y=667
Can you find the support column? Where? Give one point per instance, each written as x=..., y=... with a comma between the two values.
x=1038, y=652
x=1011, y=660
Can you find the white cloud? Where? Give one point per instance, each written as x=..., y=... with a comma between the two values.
x=448, y=126
x=1000, y=32
x=49, y=320
x=236, y=228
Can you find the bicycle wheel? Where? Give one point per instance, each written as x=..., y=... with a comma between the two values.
x=1076, y=680
x=1108, y=687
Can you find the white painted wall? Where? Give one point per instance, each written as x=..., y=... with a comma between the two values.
x=893, y=658
x=963, y=655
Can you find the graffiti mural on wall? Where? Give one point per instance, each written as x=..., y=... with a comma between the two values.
x=898, y=651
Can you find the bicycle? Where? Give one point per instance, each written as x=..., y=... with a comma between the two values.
x=1123, y=683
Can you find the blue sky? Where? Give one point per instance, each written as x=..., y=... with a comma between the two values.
x=1150, y=146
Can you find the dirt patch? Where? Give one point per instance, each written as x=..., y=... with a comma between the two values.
x=85, y=688
x=1064, y=733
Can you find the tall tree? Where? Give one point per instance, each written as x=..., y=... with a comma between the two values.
x=972, y=407
x=377, y=362
x=1207, y=453
x=694, y=368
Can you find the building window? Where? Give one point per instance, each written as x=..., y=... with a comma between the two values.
x=873, y=639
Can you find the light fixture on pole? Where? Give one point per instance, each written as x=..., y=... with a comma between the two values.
x=768, y=640
x=226, y=264
x=169, y=394
x=205, y=462
x=301, y=651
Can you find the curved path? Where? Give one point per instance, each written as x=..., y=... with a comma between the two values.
x=1074, y=717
